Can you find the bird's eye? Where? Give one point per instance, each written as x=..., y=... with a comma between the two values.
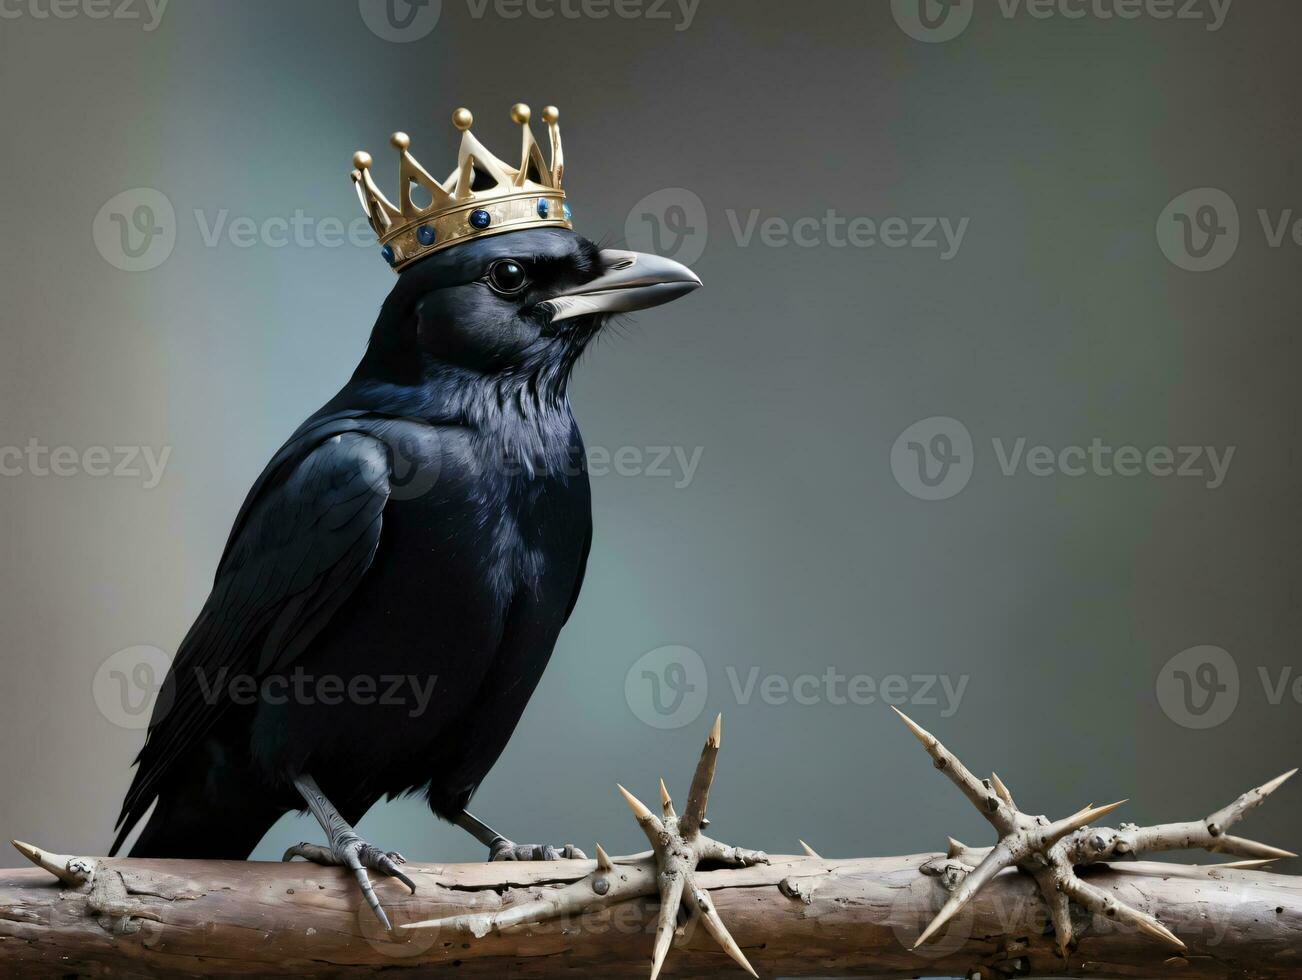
x=507, y=276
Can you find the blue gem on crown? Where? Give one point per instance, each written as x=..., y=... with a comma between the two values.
x=481, y=219
x=387, y=253
x=425, y=235
x=543, y=207
x=565, y=209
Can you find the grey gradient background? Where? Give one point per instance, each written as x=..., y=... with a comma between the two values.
x=793, y=549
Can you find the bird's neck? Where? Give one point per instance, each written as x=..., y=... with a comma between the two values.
x=520, y=419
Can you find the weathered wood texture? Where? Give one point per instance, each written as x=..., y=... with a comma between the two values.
x=798, y=916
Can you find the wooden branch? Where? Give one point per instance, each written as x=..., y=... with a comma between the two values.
x=1051, y=898
x=797, y=916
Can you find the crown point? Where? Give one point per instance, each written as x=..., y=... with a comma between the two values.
x=463, y=119
x=400, y=141
x=550, y=114
x=361, y=159
x=520, y=113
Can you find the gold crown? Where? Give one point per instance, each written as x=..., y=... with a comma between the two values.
x=529, y=196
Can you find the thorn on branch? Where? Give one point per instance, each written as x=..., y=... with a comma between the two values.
x=1050, y=852
x=678, y=846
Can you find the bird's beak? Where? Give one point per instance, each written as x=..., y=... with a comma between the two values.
x=630, y=281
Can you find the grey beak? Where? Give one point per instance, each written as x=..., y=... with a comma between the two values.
x=631, y=281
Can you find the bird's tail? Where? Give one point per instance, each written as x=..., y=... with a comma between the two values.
x=183, y=827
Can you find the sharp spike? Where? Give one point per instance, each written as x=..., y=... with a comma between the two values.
x=637, y=806
x=59, y=865
x=603, y=859
x=956, y=847
x=671, y=897
x=650, y=824
x=715, y=927
x=1242, y=865
x=1002, y=790
x=666, y=804
x=1098, y=901
x=1241, y=846
x=698, y=796
x=809, y=851
x=1226, y=817
x=922, y=735
x=999, y=858
x=1061, y=828
x=1060, y=916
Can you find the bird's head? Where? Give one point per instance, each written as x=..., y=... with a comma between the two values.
x=517, y=303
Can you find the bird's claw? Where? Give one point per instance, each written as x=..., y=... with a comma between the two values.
x=505, y=850
x=349, y=850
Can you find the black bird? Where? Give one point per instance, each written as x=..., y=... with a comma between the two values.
x=395, y=582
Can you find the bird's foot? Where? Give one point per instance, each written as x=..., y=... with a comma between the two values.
x=347, y=849
x=505, y=850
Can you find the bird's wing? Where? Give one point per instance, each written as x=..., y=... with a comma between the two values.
x=304, y=539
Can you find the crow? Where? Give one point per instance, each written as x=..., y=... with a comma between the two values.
x=396, y=579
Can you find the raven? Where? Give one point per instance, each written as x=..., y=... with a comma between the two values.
x=397, y=577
